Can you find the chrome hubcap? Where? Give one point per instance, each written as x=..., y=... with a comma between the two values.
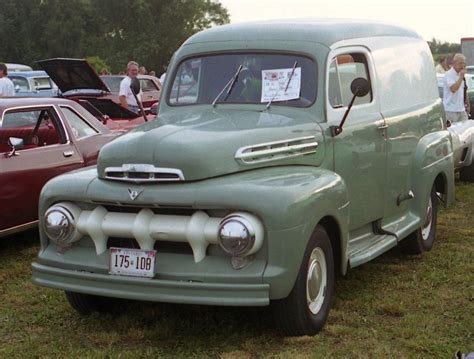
x=426, y=229
x=316, y=280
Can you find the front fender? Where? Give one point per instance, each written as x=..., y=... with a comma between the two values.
x=291, y=201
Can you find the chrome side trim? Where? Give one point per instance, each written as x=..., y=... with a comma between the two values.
x=154, y=174
x=278, y=150
x=16, y=229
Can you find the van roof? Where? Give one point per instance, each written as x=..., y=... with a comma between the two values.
x=324, y=31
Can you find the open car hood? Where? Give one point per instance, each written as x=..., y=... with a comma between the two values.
x=72, y=74
x=99, y=107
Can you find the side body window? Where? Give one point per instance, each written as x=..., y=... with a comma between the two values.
x=80, y=128
x=20, y=83
x=344, y=69
x=37, y=127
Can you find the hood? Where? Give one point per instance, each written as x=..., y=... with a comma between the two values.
x=100, y=106
x=192, y=146
x=72, y=74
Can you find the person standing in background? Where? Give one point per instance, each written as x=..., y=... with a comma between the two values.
x=126, y=97
x=442, y=66
x=454, y=100
x=142, y=70
x=6, y=85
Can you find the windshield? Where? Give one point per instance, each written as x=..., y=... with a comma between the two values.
x=263, y=78
x=112, y=82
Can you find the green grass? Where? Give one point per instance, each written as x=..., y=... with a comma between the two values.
x=395, y=306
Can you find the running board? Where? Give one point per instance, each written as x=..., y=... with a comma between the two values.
x=377, y=245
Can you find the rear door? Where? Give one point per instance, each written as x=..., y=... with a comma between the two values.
x=48, y=152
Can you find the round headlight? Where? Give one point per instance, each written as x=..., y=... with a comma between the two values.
x=236, y=236
x=59, y=224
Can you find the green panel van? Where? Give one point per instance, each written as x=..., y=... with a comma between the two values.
x=284, y=153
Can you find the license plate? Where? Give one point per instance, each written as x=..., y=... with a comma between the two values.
x=132, y=262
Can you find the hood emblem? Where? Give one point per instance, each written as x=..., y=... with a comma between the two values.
x=134, y=193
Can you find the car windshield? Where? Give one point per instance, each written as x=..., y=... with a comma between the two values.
x=287, y=79
x=112, y=82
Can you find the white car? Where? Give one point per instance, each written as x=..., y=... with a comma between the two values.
x=18, y=67
x=462, y=134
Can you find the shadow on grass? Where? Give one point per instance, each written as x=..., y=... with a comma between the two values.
x=170, y=325
x=19, y=241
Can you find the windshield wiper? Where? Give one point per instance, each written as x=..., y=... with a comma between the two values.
x=286, y=86
x=229, y=84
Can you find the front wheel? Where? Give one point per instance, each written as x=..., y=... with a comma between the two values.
x=88, y=303
x=423, y=238
x=305, y=310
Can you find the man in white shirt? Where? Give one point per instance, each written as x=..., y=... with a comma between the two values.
x=453, y=91
x=6, y=85
x=127, y=99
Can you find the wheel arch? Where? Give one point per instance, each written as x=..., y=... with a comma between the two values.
x=333, y=230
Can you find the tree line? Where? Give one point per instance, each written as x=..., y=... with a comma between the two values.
x=110, y=32
x=443, y=49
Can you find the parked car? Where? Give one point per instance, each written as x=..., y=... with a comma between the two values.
x=296, y=151
x=78, y=81
x=150, y=85
x=462, y=134
x=18, y=67
x=40, y=139
x=33, y=83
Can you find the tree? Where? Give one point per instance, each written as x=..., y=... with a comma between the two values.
x=443, y=49
x=116, y=31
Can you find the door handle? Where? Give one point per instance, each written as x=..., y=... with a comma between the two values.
x=68, y=153
x=382, y=127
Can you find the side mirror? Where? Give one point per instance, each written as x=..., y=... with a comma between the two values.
x=359, y=88
x=135, y=86
x=16, y=144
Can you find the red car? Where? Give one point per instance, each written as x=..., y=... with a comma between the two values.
x=150, y=85
x=78, y=81
x=41, y=138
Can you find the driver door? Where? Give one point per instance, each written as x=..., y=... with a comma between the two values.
x=360, y=151
x=47, y=152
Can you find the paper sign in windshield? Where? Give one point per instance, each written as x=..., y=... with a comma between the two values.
x=276, y=87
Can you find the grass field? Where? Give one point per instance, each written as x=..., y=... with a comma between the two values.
x=395, y=306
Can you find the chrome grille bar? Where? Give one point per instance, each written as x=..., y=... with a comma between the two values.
x=143, y=173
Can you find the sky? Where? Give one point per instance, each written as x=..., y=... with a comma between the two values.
x=444, y=20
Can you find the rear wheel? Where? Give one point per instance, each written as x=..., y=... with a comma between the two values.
x=305, y=310
x=423, y=238
x=88, y=303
